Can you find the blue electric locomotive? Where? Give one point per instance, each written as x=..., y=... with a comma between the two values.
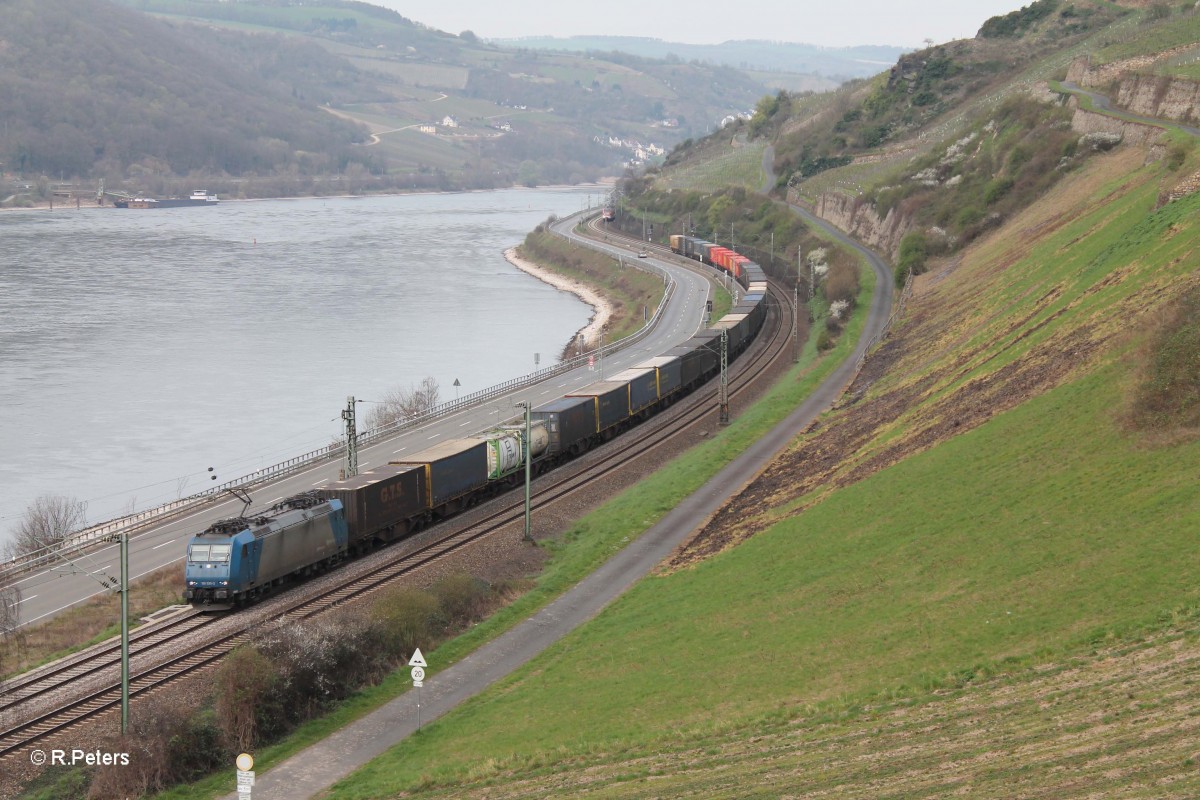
x=238, y=559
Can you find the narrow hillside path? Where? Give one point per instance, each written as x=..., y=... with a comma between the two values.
x=768, y=168
x=315, y=769
x=375, y=128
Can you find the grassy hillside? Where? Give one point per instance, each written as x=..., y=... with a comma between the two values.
x=809, y=63
x=976, y=576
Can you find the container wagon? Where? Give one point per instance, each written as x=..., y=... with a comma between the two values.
x=381, y=505
x=611, y=400
x=453, y=470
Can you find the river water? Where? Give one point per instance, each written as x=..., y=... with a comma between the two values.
x=138, y=348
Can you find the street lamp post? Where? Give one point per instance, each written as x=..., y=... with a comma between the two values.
x=351, y=438
x=528, y=453
x=124, y=632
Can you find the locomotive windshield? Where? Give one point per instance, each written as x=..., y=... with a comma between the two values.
x=209, y=553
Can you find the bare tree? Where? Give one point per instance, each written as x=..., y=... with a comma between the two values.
x=47, y=521
x=399, y=405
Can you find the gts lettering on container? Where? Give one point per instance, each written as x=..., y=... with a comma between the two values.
x=391, y=494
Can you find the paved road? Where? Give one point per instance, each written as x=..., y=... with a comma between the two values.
x=50, y=591
x=316, y=768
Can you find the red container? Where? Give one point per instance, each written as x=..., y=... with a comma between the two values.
x=719, y=257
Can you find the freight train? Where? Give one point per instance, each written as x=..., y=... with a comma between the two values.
x=235, y=561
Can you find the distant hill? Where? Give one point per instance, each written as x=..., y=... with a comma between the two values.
x=89, y=88
x=145, y=92
x=836, y=63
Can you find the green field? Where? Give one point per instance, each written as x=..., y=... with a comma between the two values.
x=739, y=165
x=414, y=73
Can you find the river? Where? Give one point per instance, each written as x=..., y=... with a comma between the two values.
x=138, y=348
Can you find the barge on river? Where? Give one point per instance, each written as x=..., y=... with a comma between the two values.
x=200, y=197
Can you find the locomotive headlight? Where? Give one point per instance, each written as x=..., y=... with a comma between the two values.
x=224, y=583
x=191, y=583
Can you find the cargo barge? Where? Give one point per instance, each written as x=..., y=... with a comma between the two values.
x=200, y=197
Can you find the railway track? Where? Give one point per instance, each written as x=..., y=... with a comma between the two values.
x=44, y=680
x=771, y=346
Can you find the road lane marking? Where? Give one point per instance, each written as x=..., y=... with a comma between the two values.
x=401, y=450
x=63, y=608
x=23, y=599
x=164, y=544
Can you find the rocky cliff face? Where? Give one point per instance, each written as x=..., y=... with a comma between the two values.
x=859, y=219
x=1161, y=97
x=1086, y=122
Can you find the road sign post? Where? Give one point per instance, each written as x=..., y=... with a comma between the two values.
x=417, y=662
x=245, y=776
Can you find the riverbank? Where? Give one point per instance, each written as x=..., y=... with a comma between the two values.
x=602, y=308
x=601, y=186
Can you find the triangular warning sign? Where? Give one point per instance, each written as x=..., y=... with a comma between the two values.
x=417, y=659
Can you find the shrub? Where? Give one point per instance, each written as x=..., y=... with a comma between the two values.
x=1176, y=155
x=1017, y=22
x=462, y=598
x=996, y=189
x=913, y=252
x=1168, y=395
x=1157, y=11
x=320, y=662
x=243, y=693
x=167, y=743
x=968, y=216
x=841, y=284
x=405, y=619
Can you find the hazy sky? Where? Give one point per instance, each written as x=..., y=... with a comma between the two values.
x=833, y=23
